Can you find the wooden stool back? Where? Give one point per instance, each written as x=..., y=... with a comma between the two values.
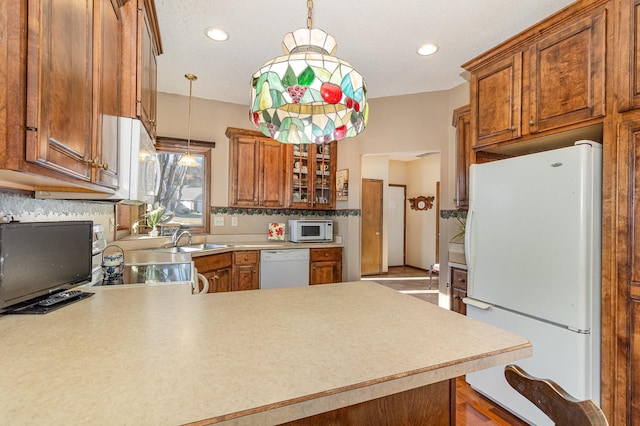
x=562, y=408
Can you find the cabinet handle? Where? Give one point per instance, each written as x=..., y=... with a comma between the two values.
x=97, y=164
x=246, y=258
x=531, y=122
x=326, y=255
x=514, y=128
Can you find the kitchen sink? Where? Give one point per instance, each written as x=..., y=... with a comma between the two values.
x=193, y=248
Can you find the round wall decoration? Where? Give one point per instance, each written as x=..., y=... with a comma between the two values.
x=422, y=202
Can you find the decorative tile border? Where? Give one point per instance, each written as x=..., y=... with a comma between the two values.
x=448, y=214
x=284, y=212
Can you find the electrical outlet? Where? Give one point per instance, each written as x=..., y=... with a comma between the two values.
x=234, y=221
x=218, y=221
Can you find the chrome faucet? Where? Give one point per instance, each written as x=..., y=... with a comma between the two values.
x=177, y=235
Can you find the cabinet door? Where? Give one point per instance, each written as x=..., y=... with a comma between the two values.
x=457, y=305
x=629, y=55
x=496, y=102
x=148, y=70
x=271, y=175
x=59, y=86
x=626, y=329
x=459, y=279
x=567, y=70
x=217, y=270
x=462, y=123
x=219, y=280
x=256, y=170
x=107, y=67
x=246, y=267
x=312, y=176
x=244, y=169
x=326, y=266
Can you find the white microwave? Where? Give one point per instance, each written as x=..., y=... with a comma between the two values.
x=310, y=230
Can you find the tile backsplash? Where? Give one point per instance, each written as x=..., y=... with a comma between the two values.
x=23, y=208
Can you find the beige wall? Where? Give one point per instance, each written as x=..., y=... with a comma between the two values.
x=420, y=123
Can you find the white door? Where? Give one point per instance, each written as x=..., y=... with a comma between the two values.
x=396, y=225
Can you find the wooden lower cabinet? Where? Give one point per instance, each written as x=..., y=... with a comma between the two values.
x=325, y=266
x=240, y=270
x=216, y=268
x=432, y=405
x=246, y=270
x=233, y=271
x=458, y=290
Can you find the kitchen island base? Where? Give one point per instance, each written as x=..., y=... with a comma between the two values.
x=432, y=405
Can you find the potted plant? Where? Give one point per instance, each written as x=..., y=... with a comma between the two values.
x=155, y=215
x=456, y=243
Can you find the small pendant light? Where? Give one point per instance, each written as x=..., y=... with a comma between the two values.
x=187, y=159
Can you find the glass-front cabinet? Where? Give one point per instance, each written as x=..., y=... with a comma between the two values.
x=312, y=171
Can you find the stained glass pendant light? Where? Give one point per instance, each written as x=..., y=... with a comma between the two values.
x=187, y=159
x=308, y=95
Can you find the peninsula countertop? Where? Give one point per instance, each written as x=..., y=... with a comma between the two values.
x=160, y=355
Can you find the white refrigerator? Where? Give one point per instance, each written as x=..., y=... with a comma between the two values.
x=533, y=244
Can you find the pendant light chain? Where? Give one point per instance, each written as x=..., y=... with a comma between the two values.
x=310, y=10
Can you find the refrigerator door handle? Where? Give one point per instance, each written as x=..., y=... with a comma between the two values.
x=476, y=303
x=468, y=253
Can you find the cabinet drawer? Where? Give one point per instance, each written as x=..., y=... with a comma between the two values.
x=319, y=254
x=459, y=278
x=212, y=262
x=245, y=257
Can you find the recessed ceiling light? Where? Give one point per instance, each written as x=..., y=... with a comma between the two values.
x=427, y=49
x=216, y=34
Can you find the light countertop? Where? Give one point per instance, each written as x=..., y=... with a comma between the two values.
x=160, y=355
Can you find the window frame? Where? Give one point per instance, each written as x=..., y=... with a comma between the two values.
x=176, y=145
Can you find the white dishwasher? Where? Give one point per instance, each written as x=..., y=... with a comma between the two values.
x=284, y=268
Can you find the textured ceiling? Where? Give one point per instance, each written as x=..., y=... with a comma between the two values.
x=379, y=38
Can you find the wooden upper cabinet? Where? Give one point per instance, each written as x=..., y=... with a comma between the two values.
x=496, y=101
x=106, y=70
x=141, y=49
x=462, y=123
x=256, y=170
x=551, y=76
x=312, y=176
x=72, y=93
x=629, y=56
x=567, y=74
x=147, y=93
x=59, y=87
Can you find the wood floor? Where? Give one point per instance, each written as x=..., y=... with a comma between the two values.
x=471, y=408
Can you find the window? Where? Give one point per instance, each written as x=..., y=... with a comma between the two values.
x=183, y=191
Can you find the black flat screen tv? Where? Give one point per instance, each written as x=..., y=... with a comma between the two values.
x=38, y=259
